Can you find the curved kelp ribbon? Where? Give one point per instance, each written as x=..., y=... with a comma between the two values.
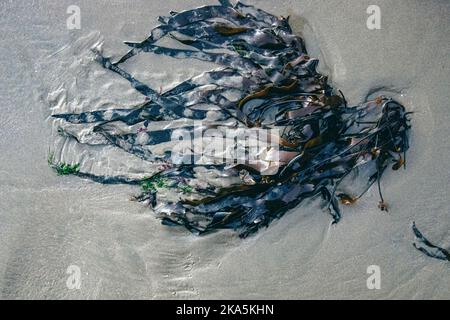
x=422, y=244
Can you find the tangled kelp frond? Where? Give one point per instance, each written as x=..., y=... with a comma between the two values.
x=267, y=81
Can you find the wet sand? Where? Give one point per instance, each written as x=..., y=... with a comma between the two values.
x=48, y=223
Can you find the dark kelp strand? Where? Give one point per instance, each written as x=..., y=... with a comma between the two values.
x=425, y=246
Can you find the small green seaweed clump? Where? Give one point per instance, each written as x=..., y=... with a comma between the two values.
x=62, y=168
x=157, y=182
x=186, y=188
x=153, y=183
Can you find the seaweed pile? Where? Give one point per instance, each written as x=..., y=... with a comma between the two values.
x=266, y=80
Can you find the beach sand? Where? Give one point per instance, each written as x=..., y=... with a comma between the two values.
x=48, y=223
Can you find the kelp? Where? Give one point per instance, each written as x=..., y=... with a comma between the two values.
x=275, y=85
x=422, y=244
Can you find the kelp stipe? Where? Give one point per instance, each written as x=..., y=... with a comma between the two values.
x=275, y=85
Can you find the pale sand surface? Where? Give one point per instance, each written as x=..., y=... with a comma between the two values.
x=48, y=223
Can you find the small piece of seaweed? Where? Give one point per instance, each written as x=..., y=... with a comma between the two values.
x=153, y=183
x=62, y=168
x=423, y=245
x=186, y=188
